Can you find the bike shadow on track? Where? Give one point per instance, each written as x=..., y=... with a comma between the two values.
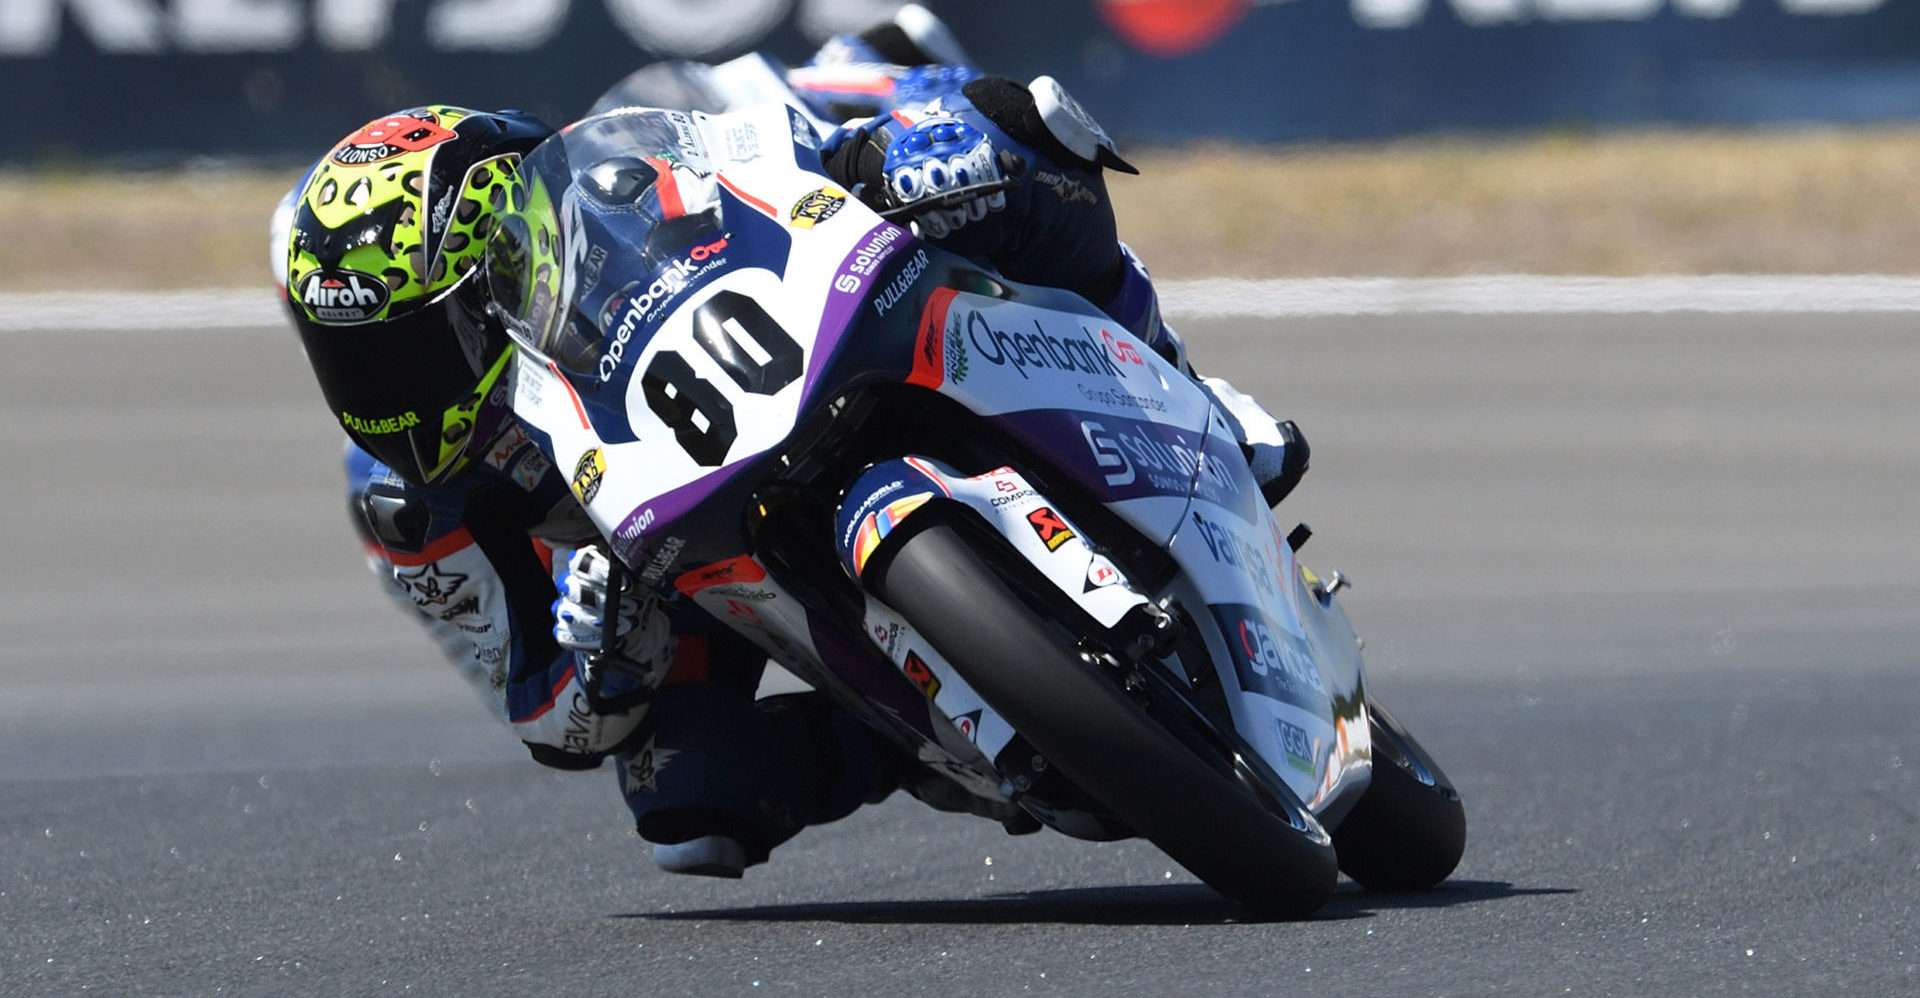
x=1153, y=904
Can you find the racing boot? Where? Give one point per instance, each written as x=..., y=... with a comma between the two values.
x=719, y=783
x=1275, y=449
x=706, y=856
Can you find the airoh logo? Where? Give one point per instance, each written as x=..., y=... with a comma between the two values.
x=342, y=295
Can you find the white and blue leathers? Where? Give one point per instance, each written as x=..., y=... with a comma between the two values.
x=474, y=560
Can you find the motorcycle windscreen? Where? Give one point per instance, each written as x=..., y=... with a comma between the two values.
x=608, y=219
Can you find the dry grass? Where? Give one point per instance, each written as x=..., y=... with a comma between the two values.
x=1811, y=202
x=1803, y=202
x=194, y=228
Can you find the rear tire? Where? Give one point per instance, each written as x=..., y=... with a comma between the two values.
x=1409, y=829
x=1076, y=716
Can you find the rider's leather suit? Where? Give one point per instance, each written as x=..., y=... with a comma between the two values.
x=474, y=560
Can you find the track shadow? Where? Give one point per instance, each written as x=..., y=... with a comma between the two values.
x=1156, y=904
x=1352, y=901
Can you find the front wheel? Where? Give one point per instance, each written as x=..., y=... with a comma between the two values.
x=1029, y=667
x=1409, y=829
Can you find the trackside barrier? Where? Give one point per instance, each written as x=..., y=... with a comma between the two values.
x=164, y=81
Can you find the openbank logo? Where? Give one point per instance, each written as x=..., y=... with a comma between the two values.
x=664, y=27
x=1043, y=350
x=675, y=279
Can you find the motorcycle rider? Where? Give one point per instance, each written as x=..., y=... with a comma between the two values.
x=377, y=253
x=477, y=532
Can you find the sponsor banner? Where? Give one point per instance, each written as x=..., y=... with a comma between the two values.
x=587, y=475
x=741, y=570
x=285, y=79
x=341, y=296
x=848, y=292
x=1125, y=458
x=1050, y=528
x=638, y=308
x=815, y=208
x=1244, y=559
x=1301, y=749
x=1031, y=344
x=1158, y=71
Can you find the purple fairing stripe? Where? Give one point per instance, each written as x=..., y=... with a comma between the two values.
x=667, y=508
x=871, y=676
x=850, y=289
x=1118, y=457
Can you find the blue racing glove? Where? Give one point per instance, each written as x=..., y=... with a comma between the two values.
x=939, y=172
x=942, y=173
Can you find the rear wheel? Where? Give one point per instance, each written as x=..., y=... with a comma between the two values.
x=1409, y=829
x=1029, y=667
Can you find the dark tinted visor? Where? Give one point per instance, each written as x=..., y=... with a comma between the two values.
x=383, y=379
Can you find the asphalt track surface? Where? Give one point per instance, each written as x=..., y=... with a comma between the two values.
x=1648, y=586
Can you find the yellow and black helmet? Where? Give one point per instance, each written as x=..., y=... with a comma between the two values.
x=385, y=283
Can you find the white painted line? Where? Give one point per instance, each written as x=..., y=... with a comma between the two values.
x=141, y=311
x=1513, y=294
x=1521, y=294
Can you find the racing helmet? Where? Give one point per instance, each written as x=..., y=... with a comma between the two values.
x=384, y=283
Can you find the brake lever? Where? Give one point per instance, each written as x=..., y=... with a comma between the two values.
x=950, y=199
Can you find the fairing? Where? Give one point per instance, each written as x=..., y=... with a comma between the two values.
x=662, y=382
x=804, y=299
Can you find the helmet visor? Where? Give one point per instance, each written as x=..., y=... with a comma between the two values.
x=406, y=389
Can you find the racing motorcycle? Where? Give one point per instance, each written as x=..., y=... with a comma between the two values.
x=981, y=515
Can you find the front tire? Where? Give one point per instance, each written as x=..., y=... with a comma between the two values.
x=1076, y=716
x=1409, y=829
